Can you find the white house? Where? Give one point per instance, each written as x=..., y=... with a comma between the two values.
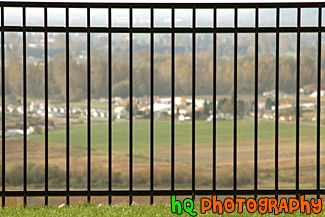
x=314, y=94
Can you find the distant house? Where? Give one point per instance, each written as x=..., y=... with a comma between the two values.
x=182, y=111
x=178, y=101
x=62, y=110
x=286, y=118
x=181, y=118
x=314, y=94
x=210, y=118
x=14, y=132
x=261, y=105
x=165, y=100
x=307, y=105
x=282, y=106
x=306, y=91
x=103, y=114
x=118, y=109
x=55, y=109
x=159, y=107
x=76, y=110
x=117, y=100
x=268, y=116
x=56, y=115
x=121, y=112
x=20, y=109
x=94, y=114
x=11, y=108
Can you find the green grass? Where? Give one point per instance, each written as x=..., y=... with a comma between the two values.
x=141, y=134
x=118, y=210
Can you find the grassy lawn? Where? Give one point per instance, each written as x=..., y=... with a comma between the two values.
x=141, y=133
x=118, y=210
x=183, y=140
x=183, y=154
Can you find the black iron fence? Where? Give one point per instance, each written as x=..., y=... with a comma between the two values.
x=152, y=30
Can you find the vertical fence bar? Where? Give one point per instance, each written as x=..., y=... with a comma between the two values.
x=151, y=107
x=110, y=113
x=235, y=104
x=88, y=108
x=298, y=101
x=3, y=110
x=276, y=177
x=256, y=107
x=25, y=108
x=319, y=73
x=173, y=103
x=131, y=108
x=193, y=101
x=46, y=109
x=67, y=108
x=214, y=107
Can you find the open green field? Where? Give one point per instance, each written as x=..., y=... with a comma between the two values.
x=162, y=132
x=162, y=155
x=203, y=155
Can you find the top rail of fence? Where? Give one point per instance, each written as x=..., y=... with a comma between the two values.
x=163, y=5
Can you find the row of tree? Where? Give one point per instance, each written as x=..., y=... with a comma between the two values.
x=162, y=75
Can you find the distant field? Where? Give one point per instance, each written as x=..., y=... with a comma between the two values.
x=183, y=142
x=162, y=132
x=183, y=153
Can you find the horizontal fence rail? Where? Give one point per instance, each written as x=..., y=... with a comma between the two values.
x=152, y=30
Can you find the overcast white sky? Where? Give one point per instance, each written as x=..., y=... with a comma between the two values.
x=170, y=1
